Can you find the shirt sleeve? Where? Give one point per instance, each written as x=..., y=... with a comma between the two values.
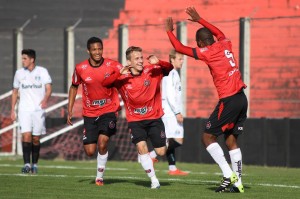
x=47, y=78
x=76, y=80
x=111, y=75
x=179, y=47
x=166, y=67
x=16, y=83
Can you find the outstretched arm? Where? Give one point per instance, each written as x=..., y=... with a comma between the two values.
x=179, y=47
x=195, y=17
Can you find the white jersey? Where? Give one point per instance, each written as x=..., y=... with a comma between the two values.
x=171, y=94
x=31, y=85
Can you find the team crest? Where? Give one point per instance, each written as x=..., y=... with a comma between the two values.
x=37, y=78
x=112, y=125
x=208, y=125
x=146, y=82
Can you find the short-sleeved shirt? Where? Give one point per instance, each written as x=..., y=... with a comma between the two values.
x=96, y=99
x=31, y=85
x=223, y=67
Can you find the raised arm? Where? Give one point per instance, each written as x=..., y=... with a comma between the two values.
x=195, y=17
x=179, y=47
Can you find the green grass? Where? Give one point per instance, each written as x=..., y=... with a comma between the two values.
x=75, y=179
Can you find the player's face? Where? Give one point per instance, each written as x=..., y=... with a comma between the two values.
x=27, y=61
x=177, y=61
x=95, y=52
x=136, y=61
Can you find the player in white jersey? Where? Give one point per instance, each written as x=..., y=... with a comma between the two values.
x=172, y=106
x=34, y=86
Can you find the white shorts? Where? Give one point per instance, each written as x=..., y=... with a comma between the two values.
x=32, y=121
x=172, y=127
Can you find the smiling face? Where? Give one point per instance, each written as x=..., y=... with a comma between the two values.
x=95, y=51
x=136, y=61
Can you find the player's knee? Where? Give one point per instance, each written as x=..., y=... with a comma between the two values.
x=161, y=151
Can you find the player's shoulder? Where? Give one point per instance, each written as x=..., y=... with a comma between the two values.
x=112, y=63
x=41, y=68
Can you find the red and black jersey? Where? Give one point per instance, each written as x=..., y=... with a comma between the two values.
x=142, y=93
x=96, y=99
x=219, y=58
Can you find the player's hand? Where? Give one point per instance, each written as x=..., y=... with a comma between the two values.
x=193, y=14
x=125, y=70
x=152, y=59
x=179, y=118
x=43, y=104
x=69, y=119
x=169, y=24
x=13, y=115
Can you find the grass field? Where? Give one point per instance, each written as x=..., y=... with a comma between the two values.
x=75, y=179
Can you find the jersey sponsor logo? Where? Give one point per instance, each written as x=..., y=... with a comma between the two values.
x=146, y=82
x=141, y=111
x=101, y=102
x=24, y=86
x=112, y=125
x=208, y=125
x=88, y=79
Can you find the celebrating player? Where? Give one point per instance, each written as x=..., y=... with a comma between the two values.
x=230, y=113
x=139, y=87
x=100, y=104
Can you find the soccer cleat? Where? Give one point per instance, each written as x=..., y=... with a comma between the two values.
x=178, y=172
x=99, y=182
x=226, y=182
x=26, y=169
x=237, y=189
x=155, y=185
x=34, y=170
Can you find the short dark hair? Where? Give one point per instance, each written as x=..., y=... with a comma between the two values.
x=93, y=40
x=131, y=49
x=205, y=35
x=30, y=53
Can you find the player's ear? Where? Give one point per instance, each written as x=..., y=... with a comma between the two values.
x=128, y=62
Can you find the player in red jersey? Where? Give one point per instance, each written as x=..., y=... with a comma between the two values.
x=100, y=104
x=140, y=89
x=230, y=113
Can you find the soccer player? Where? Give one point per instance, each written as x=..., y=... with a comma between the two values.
x=139, y=87
x=34, y=85
x=100, y=104
x=172, y=107
x=231, y=111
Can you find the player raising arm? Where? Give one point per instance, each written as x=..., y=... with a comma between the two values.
x=139, y=87
x=230, y=113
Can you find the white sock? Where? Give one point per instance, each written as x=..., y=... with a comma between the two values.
x=147, y=165
x=236, y=164
x=217, y=154
x=172, y=167
x=152, y=154
x=101, y=162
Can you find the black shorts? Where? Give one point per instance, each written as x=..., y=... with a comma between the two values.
x=229, y=116
x=94, y=126
x=152, y=129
